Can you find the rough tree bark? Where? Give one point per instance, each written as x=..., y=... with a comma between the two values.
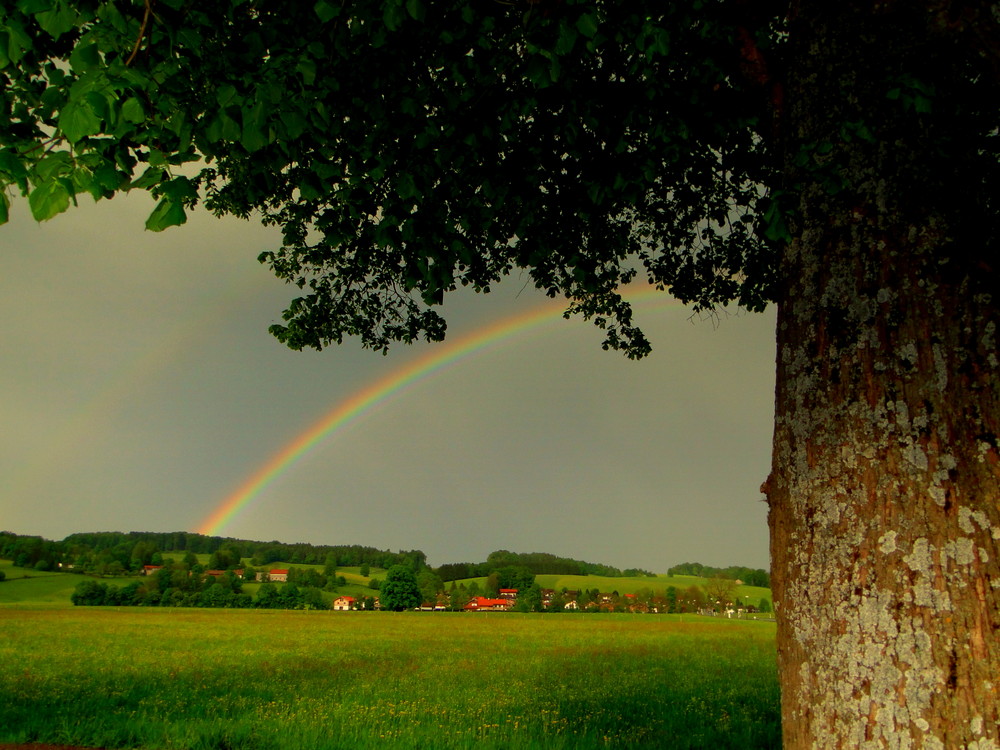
x=885, y=487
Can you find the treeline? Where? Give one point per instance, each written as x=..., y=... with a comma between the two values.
x=118, y=553
x=261, y=553
x=749, y=576
x=539, y=563
x=178, y=587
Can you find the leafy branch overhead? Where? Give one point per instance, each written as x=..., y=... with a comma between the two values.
x=406, y=148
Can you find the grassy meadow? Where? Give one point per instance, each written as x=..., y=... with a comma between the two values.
x=296, y=680
x=25, y=586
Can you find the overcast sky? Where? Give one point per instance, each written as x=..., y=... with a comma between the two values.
x=139, y=388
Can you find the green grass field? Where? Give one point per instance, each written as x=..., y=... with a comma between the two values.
x=24, y=586
x=245, y=679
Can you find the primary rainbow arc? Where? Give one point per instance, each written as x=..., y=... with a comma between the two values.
x=352, y=408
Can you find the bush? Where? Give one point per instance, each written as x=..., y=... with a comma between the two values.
x=90, y=593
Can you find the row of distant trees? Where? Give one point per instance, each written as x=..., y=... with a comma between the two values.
x=120, y=553
x=400, y=591
x=92, y=592
x=539, y=563
x=176, y=586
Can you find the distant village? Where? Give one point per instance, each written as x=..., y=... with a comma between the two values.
x=506, y=599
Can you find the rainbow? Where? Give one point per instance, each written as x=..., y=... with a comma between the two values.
x=395, y=383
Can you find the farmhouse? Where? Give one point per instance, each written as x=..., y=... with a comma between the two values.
x=148, y=570
x=343, y=603
x=275, y=575
x=482, y=604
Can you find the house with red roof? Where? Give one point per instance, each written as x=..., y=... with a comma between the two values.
x=275, y=575
x=482, y=604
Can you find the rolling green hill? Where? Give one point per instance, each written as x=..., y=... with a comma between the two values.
x=26, y=586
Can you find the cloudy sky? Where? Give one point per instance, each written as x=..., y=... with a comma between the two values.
x=139, y=389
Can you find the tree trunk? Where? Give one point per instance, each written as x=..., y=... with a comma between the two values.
x=884, y=493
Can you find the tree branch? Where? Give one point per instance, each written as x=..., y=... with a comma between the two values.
x=142, y=31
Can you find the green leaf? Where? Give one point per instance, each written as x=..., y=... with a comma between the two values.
x=30, y=7
x=393, y=16
x=17, y=41
x=254, y=135
x=85, y=57
x=132, y=110
x=166, y=214
x=406, y=187
x=661, y=42
x=567, y=38
x=82, y=180
x=101, y=104
x=223, y=128
x=310, y=187
x=555, y=69
x=107, y=177
x=4, y=207
x=306, y=68
x=11, y=164
x=52, y=166
x=77, y=120
x=326, y=11
x=152, y=176
x=295, y=124
x=416, y=9
x=538, y=71
x=225, y=94
x=587, y=25
x=58, y=21
x=179, y=189
x=177, y=123
x=48, y=199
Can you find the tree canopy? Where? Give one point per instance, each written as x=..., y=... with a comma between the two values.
x=406, y=148
x=399, y=590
